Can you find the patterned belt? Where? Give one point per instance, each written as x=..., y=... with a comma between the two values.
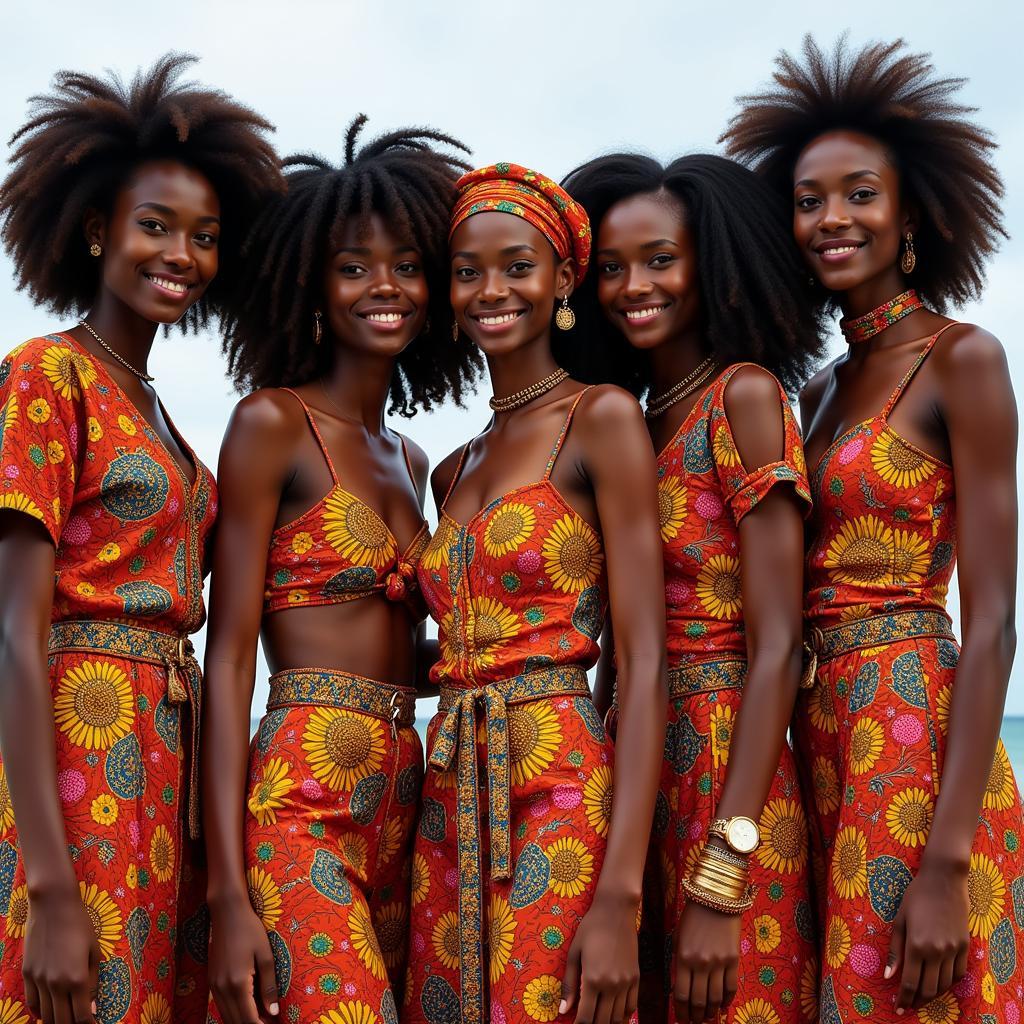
x=820, y=645
x=455, y=745
x=727, y=674
x=301, y=687
x=174, y=654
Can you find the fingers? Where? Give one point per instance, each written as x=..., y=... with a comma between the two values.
x=946, y=974
x=61, y=1002
x=698, y=997
x=570, y=980
x=267, y=980
x=960, y=963
x=716, y=987
x=910, y=980
x=681, y=992
x=896, y=943
x=32, y=997
x=618, y=1015
x=632, y=999
x=928, y=987
x=731, y=983
x=82, y=1003
x=45, y=1005
x=588, y=1002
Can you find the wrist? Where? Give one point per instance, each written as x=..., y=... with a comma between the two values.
x=56, y=881
x=227, y=899
x=945, y=861
x=616, y=896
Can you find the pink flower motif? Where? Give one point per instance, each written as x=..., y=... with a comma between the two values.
x=134, y=833
x=213, y=508
x=535, y=638
x=350, y=989
x=539, y=806
x=11, y=471
x=696, y=829
x=744, y=946
x=528, y=560
x=73, y=438
x=850, y=450
x=498, y=1014
x=966, y=987
x=865, y=960
x=451, y=878
x=343, y=945
x=76, y=531
x=23, y=385
x=676, y=593
x=907, y=730
x=70, y=786
x=418, y=942
x=566, y=797
x=154, y=756
x=311, y=789
x=708, y=505
x=172, y=506
x=1012, y=1011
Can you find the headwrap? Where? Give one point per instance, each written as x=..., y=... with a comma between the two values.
x=509, y=188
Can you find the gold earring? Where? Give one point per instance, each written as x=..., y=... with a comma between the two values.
x=909, y=258
x=95, y=249
x=455, y=329
x=565, y=318
x=318, y=326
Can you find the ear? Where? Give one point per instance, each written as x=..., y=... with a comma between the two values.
x=565, y=278
x=94, y=225
x=909, y=219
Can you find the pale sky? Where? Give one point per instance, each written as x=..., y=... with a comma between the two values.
x=543, y=85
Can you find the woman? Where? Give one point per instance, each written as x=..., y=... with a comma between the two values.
x=516, y=578
x=309, y=847
x=125, y=205
x=695, y=274
x=916, y=817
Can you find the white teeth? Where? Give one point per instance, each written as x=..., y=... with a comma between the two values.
x=384, y=318
x=493, y=321
x=643, y=314
x=841, y=249
x=171, y=286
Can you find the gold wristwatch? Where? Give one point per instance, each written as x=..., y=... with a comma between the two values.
x=741, y=834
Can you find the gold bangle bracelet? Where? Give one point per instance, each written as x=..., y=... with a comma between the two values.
x=732, y=890
x=724, y=905
x=726, y=877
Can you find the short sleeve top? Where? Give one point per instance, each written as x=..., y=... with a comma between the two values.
x=130, y=531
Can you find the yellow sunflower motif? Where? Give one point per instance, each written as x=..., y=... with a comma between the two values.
x=55, y=452
x=391, y=926
x=534, y=737
x=265, y=896
x=986, y=894
x=508, y=527
x=1001, y=789
x=501, y=928
x=93, y=429
x=8, y=414
x=364, y=941
x=867, y=740
x=722, y=723
x=756, y=1011
x=20, y=503
x=392, y=838
x=718, y=587
x=492, y=625
x=127, y=425
x=809, y=990
x=161, y=853
x=109, y=552
x=943, y=703
x=356, y=532
x=343, y=746
x=837, y=942
x=86, y=589
x=767, y=933
x=420, y=884
x=897, y=463
x=862, y=551
x=104, y=809
x=355, y=1012
x=910, y=557
x=94, y=705
x=131, y=877
x=909, y=816
x=572, y=866
x=855, y=612
x=445, y=938
x=597, y=799
x=943, y=1009
x=436, y=553
x=68, y=371
x=355, y=852
x=822, y=710
x=826, y=785
x=572, y=555
x=783, y=836
x=541, y=998
x=105, y=917
x=988, y=988
x=267, y=796
x=723, y=448
x=6, y=807
x=850, y=863
x=17, y=912
x=672, y=504
x=156, y=1010
x=38, y=410
x=13, y=1012
x=669, y=878
x=302, y=542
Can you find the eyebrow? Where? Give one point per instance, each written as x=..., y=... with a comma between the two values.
x=846, y=177
x=658, y=243
x=363, y=251
x=507, y=251
x=167, y=211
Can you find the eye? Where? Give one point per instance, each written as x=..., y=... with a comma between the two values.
x=611, y=267
x=662, y=259
x=408, y=267
x=152, y=224
x=521, y=267
x=464, y=273
x=807, y=202
x=205, y=238
x=864, y=193
x=350, y=269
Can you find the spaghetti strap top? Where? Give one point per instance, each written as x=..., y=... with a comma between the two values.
x=340, y=549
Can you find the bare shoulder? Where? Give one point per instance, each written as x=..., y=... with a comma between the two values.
x=752, y=389
x=754, y=407
x=607, y=407
x=419, y=461
x=443, y=474
x=268, y=422
x=968, y=349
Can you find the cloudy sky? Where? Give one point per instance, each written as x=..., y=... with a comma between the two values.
x=545, y=85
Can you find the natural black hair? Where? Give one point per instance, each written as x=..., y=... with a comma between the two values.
x=753, y=289
x=82, y=143
x=943, y=158
x=410, y=183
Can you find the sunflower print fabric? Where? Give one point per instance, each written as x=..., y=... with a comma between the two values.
x=871, y=734
x=130, y=534
x=520, y=588
x=704, y=492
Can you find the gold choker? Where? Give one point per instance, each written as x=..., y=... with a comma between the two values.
x=529, y=393
x=657, y=405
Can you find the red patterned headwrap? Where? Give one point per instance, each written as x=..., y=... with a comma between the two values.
x=509, y=188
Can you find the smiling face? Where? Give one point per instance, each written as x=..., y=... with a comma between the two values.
x=848, y=216
x=375, y=289
x=159, y=240
x=506, y=279
x=646, y=265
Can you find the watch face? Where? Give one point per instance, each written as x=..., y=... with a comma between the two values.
x=742, y=835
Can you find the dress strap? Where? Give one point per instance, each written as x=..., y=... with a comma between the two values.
x=909, y=375
x=456, y=474
x=408, y=463
x=316, y=433
x=565, y=430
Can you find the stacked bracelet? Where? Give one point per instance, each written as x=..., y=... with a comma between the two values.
x=719, y=881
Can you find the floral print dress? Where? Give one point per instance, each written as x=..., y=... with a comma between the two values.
x=871, y=734
x=130, y=533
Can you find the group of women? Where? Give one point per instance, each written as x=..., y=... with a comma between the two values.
x=654, y=848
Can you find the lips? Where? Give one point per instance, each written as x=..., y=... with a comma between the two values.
x=497, y=319
x=836, y=250
x=170, y=285
x=644, y=314
x=384, y=318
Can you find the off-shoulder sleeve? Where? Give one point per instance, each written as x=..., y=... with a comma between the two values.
x=40, y=432
x=743, y=489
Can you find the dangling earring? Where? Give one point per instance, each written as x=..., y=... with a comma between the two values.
x=318, y=326
x=95, y=249
x=455, y=329
x=909, y=258
x=565, y=318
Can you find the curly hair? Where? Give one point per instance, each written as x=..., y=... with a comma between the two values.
x=82, y=143
x=754, y=290
x=411, y=184
x=943, y=158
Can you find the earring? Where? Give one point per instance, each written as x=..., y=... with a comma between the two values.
x=95, y=249
x=455, y=329
x=909, y=258
x=565, y=318
x=318, y=326
x=426, y=326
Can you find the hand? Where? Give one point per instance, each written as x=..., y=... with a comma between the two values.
x=62, y=956
x=930, y=939
x=604, y=953
x=705, y=962
x=241, y=963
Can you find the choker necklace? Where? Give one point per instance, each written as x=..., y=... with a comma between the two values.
x=529, y=393
x=121, y=359
x=657, y=405
x=867, y=326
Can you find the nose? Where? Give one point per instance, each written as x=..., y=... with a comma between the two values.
x=637, y=284
x=383, y=284
x=492, y=287
x=178, y=250
x=834, y=215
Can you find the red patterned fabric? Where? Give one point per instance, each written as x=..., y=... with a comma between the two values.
x=871, y=734
x=130, y=534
